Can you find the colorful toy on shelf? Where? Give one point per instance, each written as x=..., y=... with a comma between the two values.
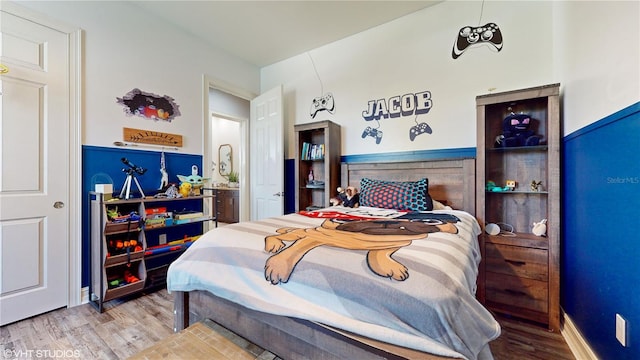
x=171, y=246
x=492, y=187
x=196, y=181
x=116, y=282
x=172, y=192
x=185, y=189
x=114, y=216
x=112, y=213
x=129, y=278
x=121, y=246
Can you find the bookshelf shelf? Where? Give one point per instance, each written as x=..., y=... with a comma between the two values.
x=317, y=160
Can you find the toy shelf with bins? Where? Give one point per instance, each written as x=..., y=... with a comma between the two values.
x=116, y=259
x=113, y=257
x=167, y=242
x=519, y=273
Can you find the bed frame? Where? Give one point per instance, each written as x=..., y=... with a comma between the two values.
x=450, y=181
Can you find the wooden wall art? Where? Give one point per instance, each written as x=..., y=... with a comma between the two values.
x=151, y=137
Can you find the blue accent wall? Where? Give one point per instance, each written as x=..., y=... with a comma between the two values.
x=600, y=258
x=289, y=186
x=99, y=163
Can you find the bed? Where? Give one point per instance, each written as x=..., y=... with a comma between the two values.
x=316, y=301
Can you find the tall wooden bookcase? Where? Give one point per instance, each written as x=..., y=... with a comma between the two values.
x=520, y=272
x=318, y=147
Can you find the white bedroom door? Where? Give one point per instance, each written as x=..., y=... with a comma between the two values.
x=34, y=162
x=267, y=155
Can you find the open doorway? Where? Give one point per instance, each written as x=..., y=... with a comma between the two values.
x=226, y=122
x=225, y=148
x=225, y=164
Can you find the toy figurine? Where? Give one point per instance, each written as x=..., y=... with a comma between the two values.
x=164, y=181
x=515, y=132
x=540, y=228
x=196, y=181
x=185, y=189
x=348, y=197
x=535, y=185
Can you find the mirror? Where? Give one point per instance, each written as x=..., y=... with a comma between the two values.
x=225, y=163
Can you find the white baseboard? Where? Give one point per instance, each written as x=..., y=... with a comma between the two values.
x=578, y=345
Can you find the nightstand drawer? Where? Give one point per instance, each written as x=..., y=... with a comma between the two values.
x=517, y=261
x=518, y=292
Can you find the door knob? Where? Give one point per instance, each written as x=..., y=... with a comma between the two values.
x=58, y=204
x=279, y=194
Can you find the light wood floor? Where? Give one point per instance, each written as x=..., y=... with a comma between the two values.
x=128, y=327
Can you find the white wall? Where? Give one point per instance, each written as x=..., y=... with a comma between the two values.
x=598, y=58
x=124, y=49
x=223, y=103
x=590, y=48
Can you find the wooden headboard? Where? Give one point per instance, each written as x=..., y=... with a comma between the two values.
x=451, y=181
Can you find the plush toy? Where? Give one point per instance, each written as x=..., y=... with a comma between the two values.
x=185, y=189
x=196, y=181
x=540, y=228
x=515, y=132
x=348, y=197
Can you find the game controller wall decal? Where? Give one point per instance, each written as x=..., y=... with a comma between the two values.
x=374, y=133
x=321, y=103
x=468, y=36
x=325, y=102
x=419, y=128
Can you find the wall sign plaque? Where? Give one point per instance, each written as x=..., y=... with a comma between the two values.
x=151, y=137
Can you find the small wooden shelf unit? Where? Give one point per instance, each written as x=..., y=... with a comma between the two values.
x=318, y=147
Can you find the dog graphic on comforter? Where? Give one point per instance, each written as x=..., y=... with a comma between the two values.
x=381, y=238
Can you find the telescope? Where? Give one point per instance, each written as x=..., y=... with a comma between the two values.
x=132, y=167
x=131, y=171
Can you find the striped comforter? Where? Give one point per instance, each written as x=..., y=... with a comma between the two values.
x=434, y=310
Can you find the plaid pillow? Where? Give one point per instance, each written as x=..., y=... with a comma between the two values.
x=400, y=195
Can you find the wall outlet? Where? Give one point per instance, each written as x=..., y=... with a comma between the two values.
x=621, y=330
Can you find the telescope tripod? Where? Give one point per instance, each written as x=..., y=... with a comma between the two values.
x=126, y=187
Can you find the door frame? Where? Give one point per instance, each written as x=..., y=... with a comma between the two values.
x=74, y=35
x=211, y=82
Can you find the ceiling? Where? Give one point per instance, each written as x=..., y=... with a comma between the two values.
x=265, y=32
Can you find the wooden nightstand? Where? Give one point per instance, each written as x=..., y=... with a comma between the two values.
x=517, y=275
